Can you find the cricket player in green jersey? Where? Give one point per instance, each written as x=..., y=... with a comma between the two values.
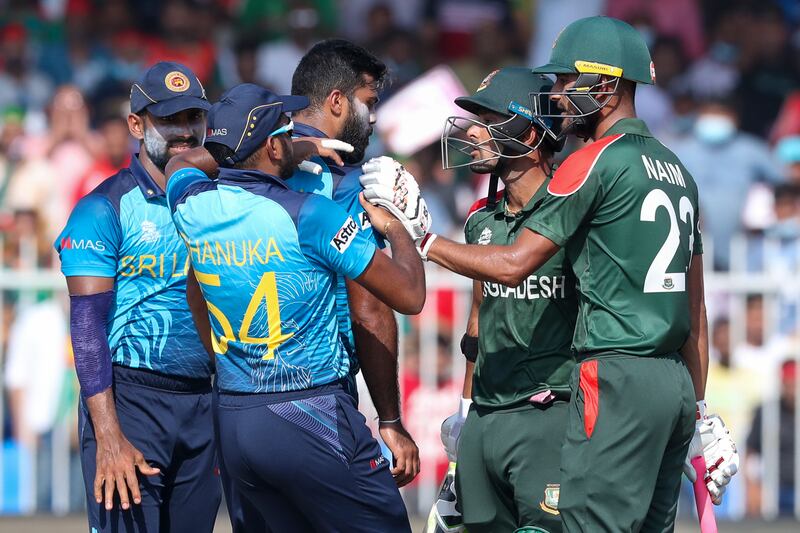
x=509, y=449
x=625, y=211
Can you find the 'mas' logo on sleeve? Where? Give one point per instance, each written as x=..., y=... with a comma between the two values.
x=68, y=243
x=345, y=235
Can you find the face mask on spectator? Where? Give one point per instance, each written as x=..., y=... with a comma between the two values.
x=714, y=129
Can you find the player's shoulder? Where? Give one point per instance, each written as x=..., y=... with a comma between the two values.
x=346, y=183
x=185, y=183
x=481, y=209
x=104, y=200
x=573, y=173
x=110, y=191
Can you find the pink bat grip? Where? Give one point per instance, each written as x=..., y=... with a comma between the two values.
x=702, y=499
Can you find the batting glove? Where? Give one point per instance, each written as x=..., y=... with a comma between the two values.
x=713, y=441
x=389, y=185
x=451, y=429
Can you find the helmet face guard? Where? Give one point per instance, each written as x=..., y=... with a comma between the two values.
x=503, y=141
x=583, y=98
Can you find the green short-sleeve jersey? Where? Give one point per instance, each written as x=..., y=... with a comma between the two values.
x=626, y=211
x=525, y=332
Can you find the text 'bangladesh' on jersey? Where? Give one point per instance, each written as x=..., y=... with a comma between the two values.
x=123, y=230
x=525, y=332
x=267, y=260
x=626, y=211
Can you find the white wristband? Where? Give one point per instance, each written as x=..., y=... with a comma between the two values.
x=425, y=245
x=463, y=407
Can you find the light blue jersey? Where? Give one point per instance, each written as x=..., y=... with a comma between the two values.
x=267, y=259
x=341, y=185
x=123, y=230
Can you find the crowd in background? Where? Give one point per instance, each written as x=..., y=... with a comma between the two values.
x=727, y=101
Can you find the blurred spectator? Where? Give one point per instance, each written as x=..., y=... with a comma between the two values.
x=716, y=73
x=455, y=23
x=678, y=18
x=186, y=30
x=78, y=58
x=36, y=372
x=355, y=15
x=761, y=350
x=786, y=447
x=769, y=74
x=732, y=392
x=11, y=140
x=116, y=155
x=277, y=60
x=788, y=154
x=439, y=188
x=54, y=163
x=549, y=17
x=423, y=404
x=20, y=84
x=35, y=367
x=491, y=50
x=725, y=163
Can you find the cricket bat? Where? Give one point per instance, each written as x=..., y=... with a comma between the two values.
x=702, y=499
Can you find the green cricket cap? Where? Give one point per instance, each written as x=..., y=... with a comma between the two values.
x=601, y=45
x=506, y=91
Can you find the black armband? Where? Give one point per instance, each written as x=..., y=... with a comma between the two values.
x=469, y=347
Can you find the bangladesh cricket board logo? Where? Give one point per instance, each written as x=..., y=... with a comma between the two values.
x=668, y=284
x=550, y=502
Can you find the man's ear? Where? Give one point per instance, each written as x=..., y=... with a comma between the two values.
x=531, y=137
x=136, y=126
x=337, y=103
x=274, y=147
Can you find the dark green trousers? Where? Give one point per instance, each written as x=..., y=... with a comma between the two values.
x=630, y=423
x=508, y=468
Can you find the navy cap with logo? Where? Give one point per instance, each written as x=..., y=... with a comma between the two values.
x=168, y=88
x=246, y=116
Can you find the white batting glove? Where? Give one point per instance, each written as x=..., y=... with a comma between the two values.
x=451, y=429
x=389, y=185
x=713, y=441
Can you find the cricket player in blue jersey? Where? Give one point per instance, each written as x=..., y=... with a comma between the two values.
x=341, y=81
x=144, y=374
x=266, y=259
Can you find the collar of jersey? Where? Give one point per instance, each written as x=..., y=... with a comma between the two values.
x=239, y=176
x=304, y=130
x=530, y=206
x=634, y=126
x=147, y=184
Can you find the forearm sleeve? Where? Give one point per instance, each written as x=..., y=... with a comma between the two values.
x=87, y=320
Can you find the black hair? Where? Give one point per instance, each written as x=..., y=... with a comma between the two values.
x=335, y=64
x=221, y=153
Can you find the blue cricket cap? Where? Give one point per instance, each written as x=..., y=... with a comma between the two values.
x=245, y=117
x=168, y=88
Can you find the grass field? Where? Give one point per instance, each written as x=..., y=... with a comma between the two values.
x=77, y=524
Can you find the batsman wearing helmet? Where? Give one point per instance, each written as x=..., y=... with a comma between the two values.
x=518, y=339
x=625, y=212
